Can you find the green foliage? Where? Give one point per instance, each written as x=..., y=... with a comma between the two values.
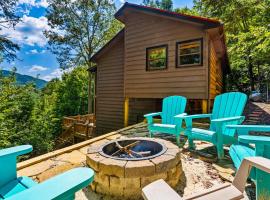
x=247, y=30
x=31, y=116
x=188, y=11
x=79, y=29
x=8, y=18
x=72, y=92
x=162, y=4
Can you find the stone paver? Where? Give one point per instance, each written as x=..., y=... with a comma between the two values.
x=164, y=162
x=93, y=160
x=136, y=169
x=74, y=157
x=110, y=166
x=56, y=170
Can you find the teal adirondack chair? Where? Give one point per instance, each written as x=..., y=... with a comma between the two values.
x=243, y=150
x=171, y=106
x=227, y=109
x=59, y=187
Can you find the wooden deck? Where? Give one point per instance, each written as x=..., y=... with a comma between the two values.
x=79, y=127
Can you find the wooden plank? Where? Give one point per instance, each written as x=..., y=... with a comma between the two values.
x=140, y=83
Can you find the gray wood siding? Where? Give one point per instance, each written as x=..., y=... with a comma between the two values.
x=110, y=90
x=142, y=31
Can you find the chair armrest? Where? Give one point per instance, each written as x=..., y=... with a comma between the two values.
x=260, y=163
x=59, y=187
x=180, y=116
x=199, y=116
x=245, y=129
x=152, y=114
x=159, y=190
x=228, y=119
x=188, y=120
x=243, y=172
x=16, y=151
x=253, y=139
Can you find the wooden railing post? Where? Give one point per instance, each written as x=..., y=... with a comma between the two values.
x=204, y=106
x=126, y=112
x=90, y=106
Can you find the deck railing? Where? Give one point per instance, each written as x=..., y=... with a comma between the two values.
x=79, y=126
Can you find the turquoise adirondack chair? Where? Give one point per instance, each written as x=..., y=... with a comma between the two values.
x=243, y=150
x=59, y=187
x=171, y=106
x=227, y=109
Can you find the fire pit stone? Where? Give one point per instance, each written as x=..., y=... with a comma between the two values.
x=125, y=177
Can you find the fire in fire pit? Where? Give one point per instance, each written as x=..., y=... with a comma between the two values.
x=132, y=149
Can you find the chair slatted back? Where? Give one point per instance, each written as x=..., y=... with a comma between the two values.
x=229, y=104
x=171, y=106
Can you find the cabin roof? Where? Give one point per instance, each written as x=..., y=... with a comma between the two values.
x=109, y=44
x=207, y=22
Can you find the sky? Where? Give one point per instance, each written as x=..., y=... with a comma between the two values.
x=34, y=58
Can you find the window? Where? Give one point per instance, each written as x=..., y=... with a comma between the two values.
x=156, y=57
x=189, y=53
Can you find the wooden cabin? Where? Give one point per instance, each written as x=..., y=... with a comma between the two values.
x=157, y=54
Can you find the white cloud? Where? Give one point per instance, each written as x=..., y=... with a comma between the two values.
x=34, y=3
x=122, y=1
x=57, y=73
x=37, y=68
x=29, y=31
x=35, y=51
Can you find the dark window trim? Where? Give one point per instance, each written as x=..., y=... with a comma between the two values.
x=187, y=41
x=154, y=47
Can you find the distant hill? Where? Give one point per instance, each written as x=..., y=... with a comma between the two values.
x=24, y=79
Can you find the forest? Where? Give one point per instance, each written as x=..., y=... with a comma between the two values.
x=32, y=115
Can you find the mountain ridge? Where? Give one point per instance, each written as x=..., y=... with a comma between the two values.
x=22, y=79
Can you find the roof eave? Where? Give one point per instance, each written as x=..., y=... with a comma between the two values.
x=107, y=45
x=208, y=23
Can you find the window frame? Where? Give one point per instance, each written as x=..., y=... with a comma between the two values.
x=177, y=53
x=155, y=47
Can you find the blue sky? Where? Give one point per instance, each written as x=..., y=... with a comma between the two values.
x=34, y=58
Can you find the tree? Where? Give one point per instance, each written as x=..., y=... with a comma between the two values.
x=72, y=95
x=247, y=29
x=9, y=19
x=31, y=116
x=79, y=29
x=188, y=11
x=162, y=4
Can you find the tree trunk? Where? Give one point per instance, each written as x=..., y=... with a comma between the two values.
x=251, y=75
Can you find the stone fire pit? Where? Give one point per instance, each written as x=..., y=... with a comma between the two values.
x=123, y=167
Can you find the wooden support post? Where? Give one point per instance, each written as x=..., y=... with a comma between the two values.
x=204, y=106
x=90, y=106
x=126, y=112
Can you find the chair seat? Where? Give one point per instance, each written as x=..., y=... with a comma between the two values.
x=238, y=153
x=16, y=186
x=163, y=128
x=201, y=134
